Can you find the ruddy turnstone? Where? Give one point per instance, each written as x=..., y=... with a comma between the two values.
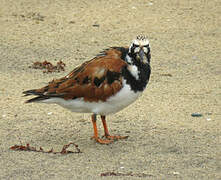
x=103, y=85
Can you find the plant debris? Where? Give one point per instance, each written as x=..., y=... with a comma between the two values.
x=125, y=174
x=31, y=15
x=96, y=25
x=49, y=67
x=30, y=148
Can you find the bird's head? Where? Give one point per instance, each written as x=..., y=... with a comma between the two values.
x=139, y=50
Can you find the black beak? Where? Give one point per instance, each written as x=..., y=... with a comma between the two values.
x=141, y=55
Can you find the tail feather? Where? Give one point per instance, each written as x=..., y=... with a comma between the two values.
x=32, y=92
x=40, y=95
x=36, y=99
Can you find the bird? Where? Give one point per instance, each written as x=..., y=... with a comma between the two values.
x=104, y=85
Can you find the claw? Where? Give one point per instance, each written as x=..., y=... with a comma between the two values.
x=115, y=137
x=102, y=141
x=109, y=139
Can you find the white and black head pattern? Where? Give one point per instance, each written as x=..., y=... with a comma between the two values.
x=140, y=41
x=138, y=71
x=139, y=50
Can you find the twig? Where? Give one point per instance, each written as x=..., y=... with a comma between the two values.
x=125, y=174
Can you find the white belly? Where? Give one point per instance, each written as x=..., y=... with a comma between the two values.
x=112, y=105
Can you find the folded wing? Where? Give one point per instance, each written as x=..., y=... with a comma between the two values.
x=95, y=80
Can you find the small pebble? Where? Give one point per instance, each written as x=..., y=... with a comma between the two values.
x=196, y=115
x=49, y=113
x=176, y=173
x=150, y=3
x=194, y=57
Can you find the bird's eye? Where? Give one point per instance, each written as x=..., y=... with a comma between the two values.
x=135, y=45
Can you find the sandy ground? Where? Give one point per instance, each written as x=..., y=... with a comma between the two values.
x=165, y=141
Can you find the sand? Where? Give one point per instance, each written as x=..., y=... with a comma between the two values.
x=165, y=141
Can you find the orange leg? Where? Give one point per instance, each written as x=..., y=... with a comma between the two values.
x=106, y=132
x=101, y=141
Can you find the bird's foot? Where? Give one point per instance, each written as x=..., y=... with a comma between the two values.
x=102, y=141
x=115, y=137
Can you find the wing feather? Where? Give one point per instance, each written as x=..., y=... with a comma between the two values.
x=95, y=80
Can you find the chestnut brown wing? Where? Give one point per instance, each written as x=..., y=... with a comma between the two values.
x=94, y=80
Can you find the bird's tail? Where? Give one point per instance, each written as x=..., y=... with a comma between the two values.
x=40, y=96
